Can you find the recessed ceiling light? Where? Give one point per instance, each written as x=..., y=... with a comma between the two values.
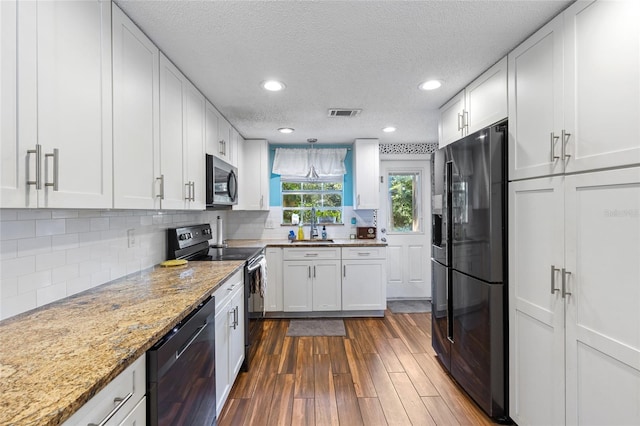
x=272, y=85
x=389, y=129
x=430, y=85
x=286, y=130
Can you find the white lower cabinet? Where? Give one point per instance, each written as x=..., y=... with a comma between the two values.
x=273, y=301
x=311, y=279
x=364, y=284
x=126, y=393
x=574, y=308
x=229, y=323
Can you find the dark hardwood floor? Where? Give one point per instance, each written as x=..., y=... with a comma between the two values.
x=383, y=372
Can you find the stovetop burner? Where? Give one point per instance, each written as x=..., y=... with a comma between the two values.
x=231, y=253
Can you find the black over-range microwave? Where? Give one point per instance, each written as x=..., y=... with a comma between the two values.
x=222, y=182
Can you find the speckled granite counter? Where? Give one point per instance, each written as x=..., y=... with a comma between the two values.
x=319, y=243
x=55, y=358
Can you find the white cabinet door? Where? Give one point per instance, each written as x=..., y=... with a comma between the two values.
x=172, y=88
x=254, y=173
x=535, y=104
x=297, y=286
x=13, y=188
x=236, y=331
x=363, y=285
x=327, y=285
x=273, y=296
x=366, y=174
x=194, y=148
x=64, y=51
x=603, y=297
x=211, y=129
x=224, y=138
x=136, y=90
x=451, y=124
x=223, y=386
x=602, y=102
x=486, y=98
x=536, y=305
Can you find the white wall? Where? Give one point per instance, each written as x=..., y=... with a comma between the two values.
x=46, y=255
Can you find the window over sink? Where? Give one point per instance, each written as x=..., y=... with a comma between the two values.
x=299, y=196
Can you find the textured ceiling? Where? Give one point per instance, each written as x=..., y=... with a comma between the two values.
x=336, y=54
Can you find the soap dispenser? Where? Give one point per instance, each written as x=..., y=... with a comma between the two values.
x=324, y=232
x=300, y=232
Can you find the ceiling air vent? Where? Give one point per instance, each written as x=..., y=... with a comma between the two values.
x=344, y=112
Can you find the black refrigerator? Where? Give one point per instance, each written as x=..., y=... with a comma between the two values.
x=468, y=280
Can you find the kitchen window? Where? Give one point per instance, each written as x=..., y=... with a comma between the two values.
x=299, y=196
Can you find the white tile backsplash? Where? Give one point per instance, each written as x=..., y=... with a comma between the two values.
x=46, y=255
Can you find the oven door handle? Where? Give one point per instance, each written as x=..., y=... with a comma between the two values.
x=194, y=337
x=255, y=263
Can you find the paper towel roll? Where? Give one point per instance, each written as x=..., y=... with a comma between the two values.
x=219, y=232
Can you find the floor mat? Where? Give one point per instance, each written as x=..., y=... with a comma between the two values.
x=409, y=306
x=316, y=327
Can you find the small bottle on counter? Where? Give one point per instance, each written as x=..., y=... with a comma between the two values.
x=300, y=232
x=291, y=236
x=324, y=232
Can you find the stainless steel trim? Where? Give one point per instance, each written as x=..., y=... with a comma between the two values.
x=194, y=337
x=38, y=153
x=56, y=165
x=255, y=263
x=553, y=141
x=564, y=283
x=553, y=279
x=565, y=139
x=161, y=194
x=120, y=402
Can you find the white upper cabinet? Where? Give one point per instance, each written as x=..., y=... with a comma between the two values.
x=64, y=99
x=602, y=84
x=12, y=174
x=486, y=98
x=194, y=147
x=535, y=104
x=212, y=145
x=366, y=174
x=451, y=124
x=568, y=112
x=480, y=104
x=136, y=100
x=172, y=94
x=254, y=173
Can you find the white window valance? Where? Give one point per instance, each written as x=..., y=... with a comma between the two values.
x=312, y=164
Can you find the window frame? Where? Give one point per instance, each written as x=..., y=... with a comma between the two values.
x=319, y=208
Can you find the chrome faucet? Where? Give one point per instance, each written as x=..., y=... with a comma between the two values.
x=314, y=224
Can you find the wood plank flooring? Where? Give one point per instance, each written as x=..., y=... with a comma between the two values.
x=383, y=372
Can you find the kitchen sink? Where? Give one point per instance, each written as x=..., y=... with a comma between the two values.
x=315, y=241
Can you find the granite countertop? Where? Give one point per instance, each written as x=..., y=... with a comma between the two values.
x=286, y=243
x=55, y=358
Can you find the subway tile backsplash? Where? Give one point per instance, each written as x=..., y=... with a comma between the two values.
x=46, y=255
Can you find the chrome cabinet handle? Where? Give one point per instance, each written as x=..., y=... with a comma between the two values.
x=120, y=402
x=564, y=283
x=193, y=191
x=459, y=121
x=309, y=267
x=358, y=201
x=465, y=119
x=310, y=254
x=191, y=340
x=363, y=253
x=314, y=271
x=261, y=201
x=553, y=279
x=161, y=194
x=553, y=141
x=56, y=165
x=565, y=139
x=344, y=271
x=38, y=153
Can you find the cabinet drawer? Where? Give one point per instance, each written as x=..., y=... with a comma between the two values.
x=311, y=253
x=127, y=389
x=364, y=252
x=225, y=291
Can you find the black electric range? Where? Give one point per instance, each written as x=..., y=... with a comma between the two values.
x=193, y=243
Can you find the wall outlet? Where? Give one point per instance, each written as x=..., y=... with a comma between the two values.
x=268, y=224
x=131, y=238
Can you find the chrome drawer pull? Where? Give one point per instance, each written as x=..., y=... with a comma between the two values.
x=120, y=402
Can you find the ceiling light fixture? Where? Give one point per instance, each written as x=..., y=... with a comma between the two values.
x=430, y=85
x=389, y=129
x=272, y=85
x=286, y=130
